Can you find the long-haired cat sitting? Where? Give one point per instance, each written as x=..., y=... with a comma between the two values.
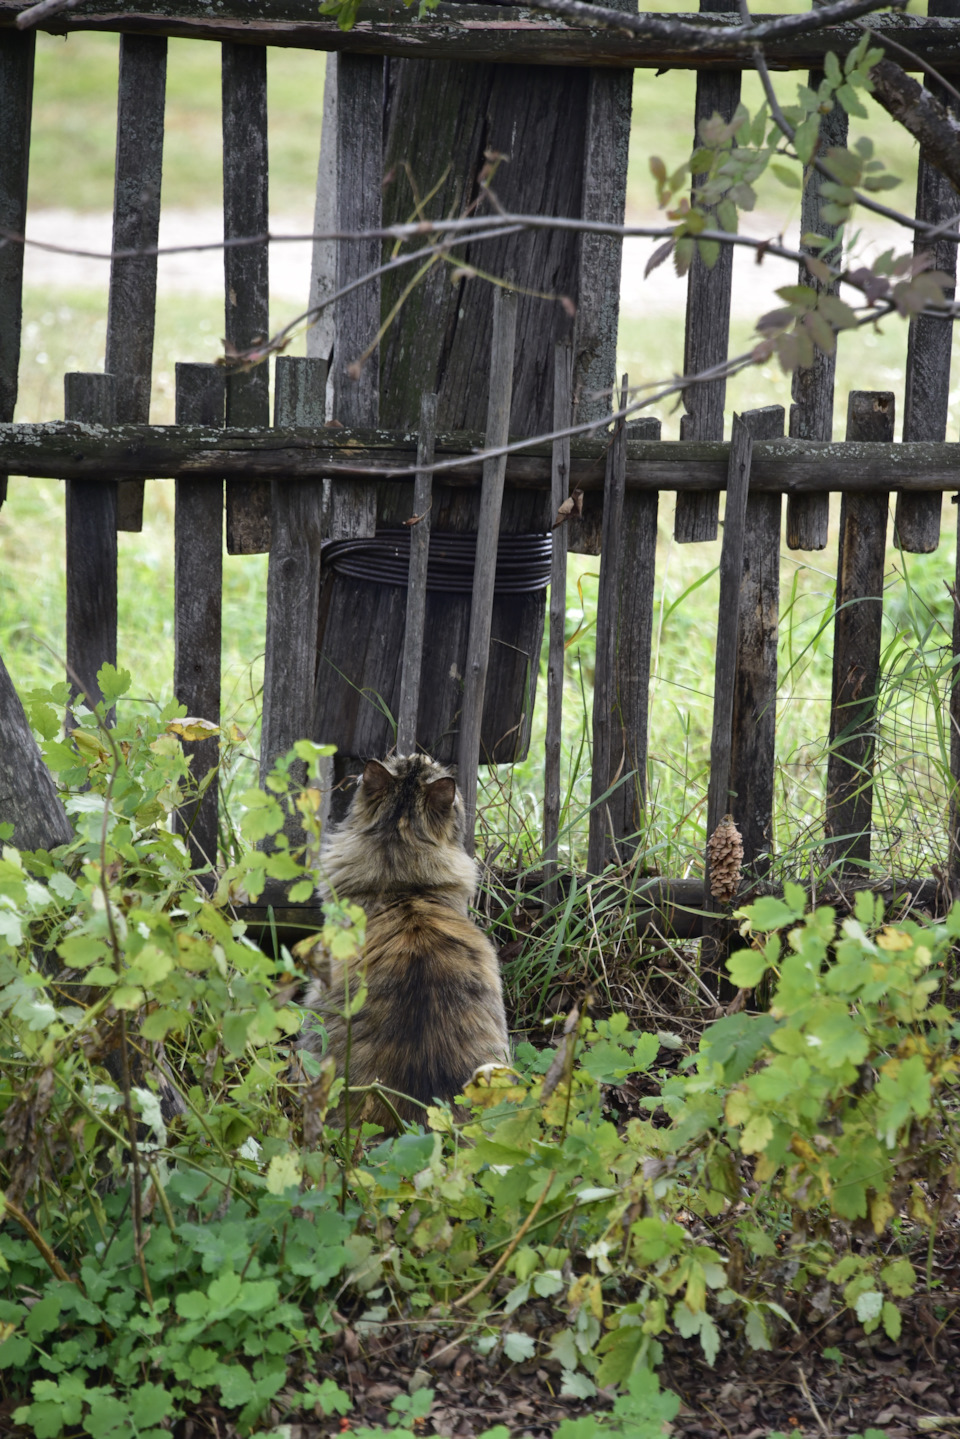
x=434, y=1006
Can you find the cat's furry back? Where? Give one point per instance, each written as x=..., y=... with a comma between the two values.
x=434, y=1006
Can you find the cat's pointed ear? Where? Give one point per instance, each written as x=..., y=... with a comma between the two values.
x=441, y=795
x=376, y=777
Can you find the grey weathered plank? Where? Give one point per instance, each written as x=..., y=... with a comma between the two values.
x=707, y=325
x=728, y=623
x=131, y=309
x=198, y=600
x=293, y=584
x=608, y=750
x=488, y=531
x=356, y=391
x=16, y=104
x=856, y=648
x=91, y=547
x=811, y=414
x=559, y=486
x=28, y=795
x=417, y=584
x=499, y=34
x=638, y=545
x=927, y=390
x=245, y=273
x=953, y=710
x=70, y=451
x=755, y=685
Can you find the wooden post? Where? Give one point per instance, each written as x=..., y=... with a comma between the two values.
x=926, y=396
x=16, y=102
x=708, y=316
x=91, y=544
x=485, y=565
x=293, y=584
x=559, y=486
x=136, y=226
x=753, y=729
x=245, y=272
x=856, y=649
x=356, y=392
x=28, y=795
x=417, y=580
x=638, y=546
x=198, y=597
x=608, y=756
x=811, y=414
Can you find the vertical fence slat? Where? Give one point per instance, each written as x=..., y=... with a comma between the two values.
x=856, y=647
x=245, y=272
x=131, y=310
x=606, y=150
x=811, y=414
x=356, y=394
x=91, y=546
x=755, y=688
x=716, y=931
x=16, y=101
x=488, y=529
x=417, y=580
x=608, y=754
x=198, y=598
x=954, y=714
x=293, y=583
x=638, y=544
x=930, y=339
x=559, y=485
x=707, y=325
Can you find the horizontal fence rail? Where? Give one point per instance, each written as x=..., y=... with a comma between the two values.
x=500, y=34
x=65, y=450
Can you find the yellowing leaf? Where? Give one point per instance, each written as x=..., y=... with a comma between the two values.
x=193, y=728
x=756, y=1135
x=893, y=939
x=738, y=1108
x=881, y=1210
x=284, y=1172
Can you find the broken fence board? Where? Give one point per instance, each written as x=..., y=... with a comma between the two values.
x=91, y=547
x=491, y=499
x=417, y=581
x=560, y=486
x=198, y=600
x=856, y=649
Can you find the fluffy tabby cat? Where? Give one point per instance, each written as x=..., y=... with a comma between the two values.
x=434, y=1006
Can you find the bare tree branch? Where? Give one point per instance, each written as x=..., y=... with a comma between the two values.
x=713, y=34
x=43, y=10
x=922, y=114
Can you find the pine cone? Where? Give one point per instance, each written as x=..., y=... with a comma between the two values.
x=725, y=854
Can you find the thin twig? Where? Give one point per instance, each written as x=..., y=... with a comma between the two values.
x=39, y=1243
x=491, y=1273
x=43, y=10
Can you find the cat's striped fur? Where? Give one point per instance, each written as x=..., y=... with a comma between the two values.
x=434, y=1007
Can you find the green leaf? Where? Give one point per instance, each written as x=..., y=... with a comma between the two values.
x=44, y=1317
x=747, y=967
x=805, y=138
x=892, y=1321
x=518, y=1347
x=113, y=683
x=786, y=175
x=300, y=892
x=831, y=68
x=768, y=913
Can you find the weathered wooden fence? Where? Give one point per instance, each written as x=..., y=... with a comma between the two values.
x=273, y=475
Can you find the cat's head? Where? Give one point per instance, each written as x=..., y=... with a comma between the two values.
x=408, y=798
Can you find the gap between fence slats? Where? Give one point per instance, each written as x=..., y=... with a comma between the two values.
x=198, y=600
x=16, y=104
x=293, y=585
x=131, y=309
x=559, y=487
x=608, y=754
x=856, y=649
x=485, y=566
x=811, y=414
x=417, y=581
x=246, y=276
x=929, y=342
x=91, y=546
x=707, y=324
x=359, y=162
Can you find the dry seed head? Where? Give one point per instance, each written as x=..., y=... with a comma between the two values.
x=725, y=853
